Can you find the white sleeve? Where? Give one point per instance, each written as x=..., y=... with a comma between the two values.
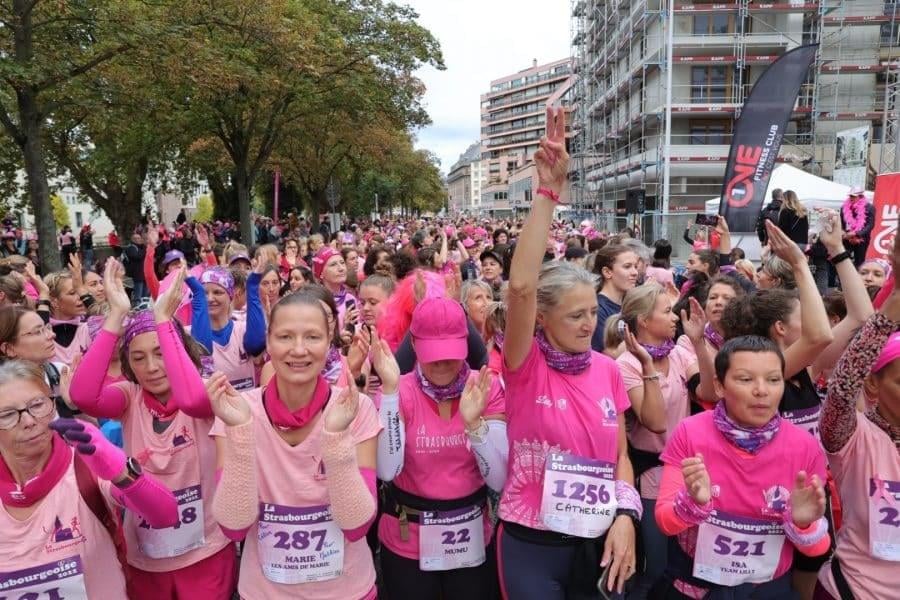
x=492, y=454
x=391, y=440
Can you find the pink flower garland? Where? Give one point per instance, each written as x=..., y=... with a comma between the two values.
x=854, y=212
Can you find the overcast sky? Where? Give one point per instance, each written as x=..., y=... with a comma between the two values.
x=481, y=40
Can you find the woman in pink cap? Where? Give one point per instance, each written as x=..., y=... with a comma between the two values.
x=298, y=478
x=569, y=506
x=58, y=530
x=329, y=268
x=166, y=419
x=864, y=455
x=443, y=445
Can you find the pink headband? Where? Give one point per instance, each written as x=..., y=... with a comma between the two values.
x=321, y=259
x=889, y=353
x=221, y=277
x=140, y=322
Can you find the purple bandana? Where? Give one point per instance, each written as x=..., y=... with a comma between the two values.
x=715, y=338
x=221, y=277
x=140, y=322
x=499, y=337
x=341, y=296
x=333, y=365
x=564, y=362
x=661, y=351
x=440, y=393
x=747, y=439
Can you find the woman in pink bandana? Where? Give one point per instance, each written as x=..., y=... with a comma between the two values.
x=166, y=419
x=864, y=455
x=58, y=532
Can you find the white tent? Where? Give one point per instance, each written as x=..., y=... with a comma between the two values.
x=812, y=190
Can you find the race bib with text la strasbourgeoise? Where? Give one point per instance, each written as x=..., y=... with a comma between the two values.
x=299, y=545
x=732, y=550
x=579, y=495
x=59, y=580
x=451, y=539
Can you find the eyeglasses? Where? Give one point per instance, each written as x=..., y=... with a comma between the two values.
x=37, y=408
x=38, y=331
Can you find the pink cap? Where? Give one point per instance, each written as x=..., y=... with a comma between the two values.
x=439, y=330
x=321, y=259
x=889, y=353
x=468, y=242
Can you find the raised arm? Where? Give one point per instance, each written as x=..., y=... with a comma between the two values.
x=86, y=389
x=859, y=305
x=189, y=393
x=255, y=335
x=201, y=328
x=815, y=330
x=150, y=277
x=552, y=163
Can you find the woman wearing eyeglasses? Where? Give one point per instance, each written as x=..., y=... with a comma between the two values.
x=57, y=533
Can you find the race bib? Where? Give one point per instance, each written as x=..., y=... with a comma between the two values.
x=59, y=580
x=884, y=519
x=181, y=538
x=806, y=419
x=299, y=545
x=579, y=496
x=733, y=550
x=451, y=539
x=243, y=384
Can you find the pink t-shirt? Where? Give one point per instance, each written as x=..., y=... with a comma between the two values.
x=437, y=460
x=183, y=458
x=548, y=411
x=234, y=361
x=61, y=546
x=869, y=454
x=291, y=478
x=751, y=486
x=677, y=407
x=80, y=343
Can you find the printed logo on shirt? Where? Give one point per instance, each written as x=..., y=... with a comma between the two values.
x=432, y=444
x=320, y=471
x=608, y=408
x=562, y=403
x=776, y=498
x=544, y=401
x=181, y=441
x=60, y=538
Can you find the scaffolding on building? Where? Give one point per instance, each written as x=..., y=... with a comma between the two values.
x=620, y=56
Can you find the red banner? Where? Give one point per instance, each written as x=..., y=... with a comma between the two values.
x=887, y=213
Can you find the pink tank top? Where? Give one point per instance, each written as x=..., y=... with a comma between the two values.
x=550, y=412
x=292, y=481
x=80, y=343
x=60, y=551
x=234, y=361
x=183, y=457
x=437, y=460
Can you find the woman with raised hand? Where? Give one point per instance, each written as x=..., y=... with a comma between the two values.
x=298, y=468
x=742, y=488
x=443, y=444
x=864, y=455
x=166, y=419
x=58, y=528
x=233, y=344
x=656, y=372
x=68, y=306
x=569, y=497
x=329, y=268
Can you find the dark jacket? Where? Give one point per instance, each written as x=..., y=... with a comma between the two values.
x=866, y=232
x=793, y=226
x=769, y=213
x=134, y=265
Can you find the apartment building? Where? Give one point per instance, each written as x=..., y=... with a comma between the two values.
x=623, y=59
x=512, y=123
x=465, y=181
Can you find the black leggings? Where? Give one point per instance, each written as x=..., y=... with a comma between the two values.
x=403, y=580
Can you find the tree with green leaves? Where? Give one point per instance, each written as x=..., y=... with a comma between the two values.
x=49, y=49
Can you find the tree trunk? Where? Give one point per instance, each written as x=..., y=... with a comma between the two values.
x=242, y=184
x=38, y=190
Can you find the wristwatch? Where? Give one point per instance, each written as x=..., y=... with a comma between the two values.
x=631, y=513
x=133, y=472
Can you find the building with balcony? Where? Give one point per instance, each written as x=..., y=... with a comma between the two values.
x=512, y=123
x=719, y=50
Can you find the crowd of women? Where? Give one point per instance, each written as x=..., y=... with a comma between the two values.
x=454, y=410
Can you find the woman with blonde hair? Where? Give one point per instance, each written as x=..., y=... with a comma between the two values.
x=793, y=219
x=655, y=371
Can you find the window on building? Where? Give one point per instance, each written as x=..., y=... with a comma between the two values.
x=713, y=24
x=79, y=220
x=890, y=32
x=705, y=131
x=711, y=84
